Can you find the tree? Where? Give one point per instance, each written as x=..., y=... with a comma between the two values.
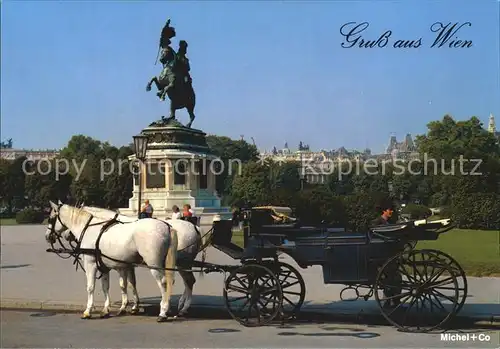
x=94, y=185
x=118, y=185
x=362, y=208
x=252, y=185
x=80, y=146
x=230, y=152
x=288, y=176
x=477, y=210
x=448, y=139
x=318, y=204
x=452, y=149
x=43, y=185
x=341, y=181
x=4, y=179
x=379, y=183
x=12, y=179
x=402, y=187
x=422, y=192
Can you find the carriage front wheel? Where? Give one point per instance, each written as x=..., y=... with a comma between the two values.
x=253, y=295
x=425, y=296
x=293, y=288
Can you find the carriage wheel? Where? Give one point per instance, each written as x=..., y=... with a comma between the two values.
x=253, y=295
x=293, y=288
x=410, y=245
x=458, y=272
x=426, y=295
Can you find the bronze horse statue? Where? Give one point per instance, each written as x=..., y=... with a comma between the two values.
x=174, y=81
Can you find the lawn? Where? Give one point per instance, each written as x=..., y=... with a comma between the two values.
x=237, y=237
x=12, y=221
x=8, y=221
x=477, y=251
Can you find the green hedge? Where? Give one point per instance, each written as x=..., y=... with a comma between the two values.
x=29, y=216
x=476, y=210
x=354, y=212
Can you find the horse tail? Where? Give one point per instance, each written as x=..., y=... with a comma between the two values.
x=203, y=259
x=206, y=240
x=171, y=261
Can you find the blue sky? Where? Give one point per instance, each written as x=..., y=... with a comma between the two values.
x=274, y=71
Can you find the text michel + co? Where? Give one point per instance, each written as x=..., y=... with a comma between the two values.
x=446, y=35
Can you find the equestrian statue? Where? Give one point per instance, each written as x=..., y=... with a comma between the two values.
x=174, y=80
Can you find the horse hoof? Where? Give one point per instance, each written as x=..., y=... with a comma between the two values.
x=162, y=319
x=134, y=311
x=86, y=316
x=104, y=315
x=120, y=312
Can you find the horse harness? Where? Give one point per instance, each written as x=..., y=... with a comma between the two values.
x=76, y=251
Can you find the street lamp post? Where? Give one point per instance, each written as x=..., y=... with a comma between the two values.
x=140, y=147
x=302, y=173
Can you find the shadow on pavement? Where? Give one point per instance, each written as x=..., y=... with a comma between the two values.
x=362, y=335
x=212, y=307
x=15, y=266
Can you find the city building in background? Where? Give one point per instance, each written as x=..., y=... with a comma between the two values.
x=492, y=128
x=7, y=152
x=318, y=165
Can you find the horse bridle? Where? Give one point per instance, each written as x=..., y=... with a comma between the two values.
x=55, y=237
x=74, y=250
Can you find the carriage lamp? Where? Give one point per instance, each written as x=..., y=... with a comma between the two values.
x=140, y=147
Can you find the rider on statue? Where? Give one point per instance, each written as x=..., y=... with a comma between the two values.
x=167, y=59
x=175, y=80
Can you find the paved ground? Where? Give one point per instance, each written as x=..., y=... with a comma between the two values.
x=32, y=276
x=23, y=329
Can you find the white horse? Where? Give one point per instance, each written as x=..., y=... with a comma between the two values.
x=149, y=240
x=191, y=240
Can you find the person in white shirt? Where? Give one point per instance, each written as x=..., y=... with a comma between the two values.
x=147, y=210
x=176, y=213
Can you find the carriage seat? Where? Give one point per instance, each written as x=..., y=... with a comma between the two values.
x=194, y=220
x=221, y=239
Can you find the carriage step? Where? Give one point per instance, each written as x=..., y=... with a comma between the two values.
x=232, y=250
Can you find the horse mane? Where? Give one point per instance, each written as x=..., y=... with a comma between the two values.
x=77, y=216
x=104, y=213
x=98, y=212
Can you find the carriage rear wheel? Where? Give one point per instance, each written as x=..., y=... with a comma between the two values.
x=426, y=294
x=253, y=295
x=457, y=271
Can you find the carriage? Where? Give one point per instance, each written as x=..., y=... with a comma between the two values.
x=417, y=290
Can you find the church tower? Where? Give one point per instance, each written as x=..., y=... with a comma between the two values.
x=491, y=125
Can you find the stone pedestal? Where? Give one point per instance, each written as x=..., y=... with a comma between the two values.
x=179, y=169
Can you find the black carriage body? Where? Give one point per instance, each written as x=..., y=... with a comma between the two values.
x=378, y=259
x=345, y=257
